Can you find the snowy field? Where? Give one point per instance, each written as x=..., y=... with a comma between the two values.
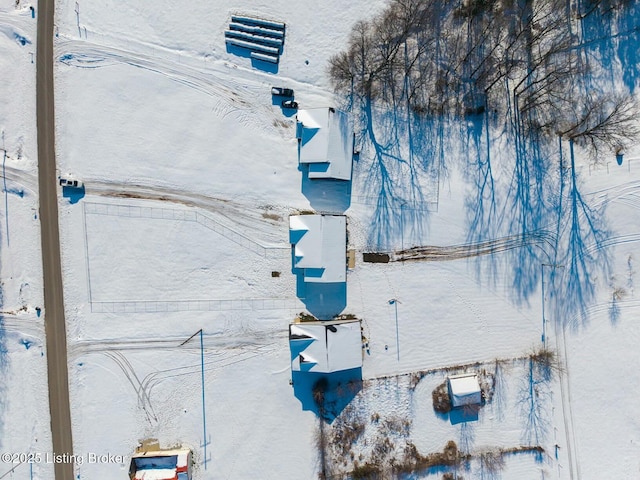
x=189, y=184
x=24, y=409
x=191, y=172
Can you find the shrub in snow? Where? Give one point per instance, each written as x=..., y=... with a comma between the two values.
x=441, y=400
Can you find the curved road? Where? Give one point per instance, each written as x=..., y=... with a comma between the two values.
x=53, y=300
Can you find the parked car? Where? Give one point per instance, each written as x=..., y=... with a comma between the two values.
x=284, y=92
x=70, y=182
x=290, y=104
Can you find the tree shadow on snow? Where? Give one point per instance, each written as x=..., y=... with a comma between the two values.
x=610, y=36
x=627, y=44
x=531, y=208
x=534, y=400
x=541, y=209
x=327, y=394
x=467, y=436
x=398, y=169
x=512, y=202
x=585, y=256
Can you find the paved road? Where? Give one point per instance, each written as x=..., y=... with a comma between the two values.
x=53, y=300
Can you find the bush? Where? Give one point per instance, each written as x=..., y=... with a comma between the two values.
x=492, y=462
x=451, y=476
x=546, y=362
x=345, y=434
x=414, y=462
x=319, y=390
x=441, y=400
x=306, y=317
x=450, y=453
x=367, y=471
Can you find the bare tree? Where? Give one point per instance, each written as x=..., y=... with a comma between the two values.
x=597, y=121
x=462, y=57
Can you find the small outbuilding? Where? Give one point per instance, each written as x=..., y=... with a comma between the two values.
x=464, y=390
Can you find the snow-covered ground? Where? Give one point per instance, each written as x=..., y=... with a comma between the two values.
x=602, y=354
x=24, y=409
x=191, y=172
x=190, y=175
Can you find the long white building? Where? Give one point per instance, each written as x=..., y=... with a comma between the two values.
x=320, y=247
x=326, y=143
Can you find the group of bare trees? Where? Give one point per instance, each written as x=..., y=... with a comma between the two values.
x=525, y=61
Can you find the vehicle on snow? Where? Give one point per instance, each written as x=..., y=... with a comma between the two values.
x=70, y=182
x=281, y=91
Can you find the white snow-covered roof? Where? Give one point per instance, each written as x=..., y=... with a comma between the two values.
x=160, y=464
x=464, y=389
x=181, y=453
x=326, y=142
x=320, y=247
x=156, y=474
x=318, y=348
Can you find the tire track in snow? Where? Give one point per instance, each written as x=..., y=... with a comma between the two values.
x=613, y=241
x=14, y=26
x=565, y=395
x=144, y=401
x=21, y=177
x=217, y=342
x=136, y=211
x=79, y=348
x=222, y=358
x=236, y=99
x=615, y=191
x=626, y=195
x=22, y=325
x=433, y=253
x=565, y=380
x=165, y=306
x=242, y=215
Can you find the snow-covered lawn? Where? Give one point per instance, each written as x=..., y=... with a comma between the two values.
x=24, y=409
x=168, y=130
x=391, y=422
x=191, y=172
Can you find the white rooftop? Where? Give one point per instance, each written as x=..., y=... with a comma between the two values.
x=156, y=474
x=318, y=348
x=326, y=142
x=181, y=453
x=464, y=389
x=320, y=247
x=159, y=466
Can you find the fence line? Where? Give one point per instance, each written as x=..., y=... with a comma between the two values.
x=252, y=304
x=162, y=213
